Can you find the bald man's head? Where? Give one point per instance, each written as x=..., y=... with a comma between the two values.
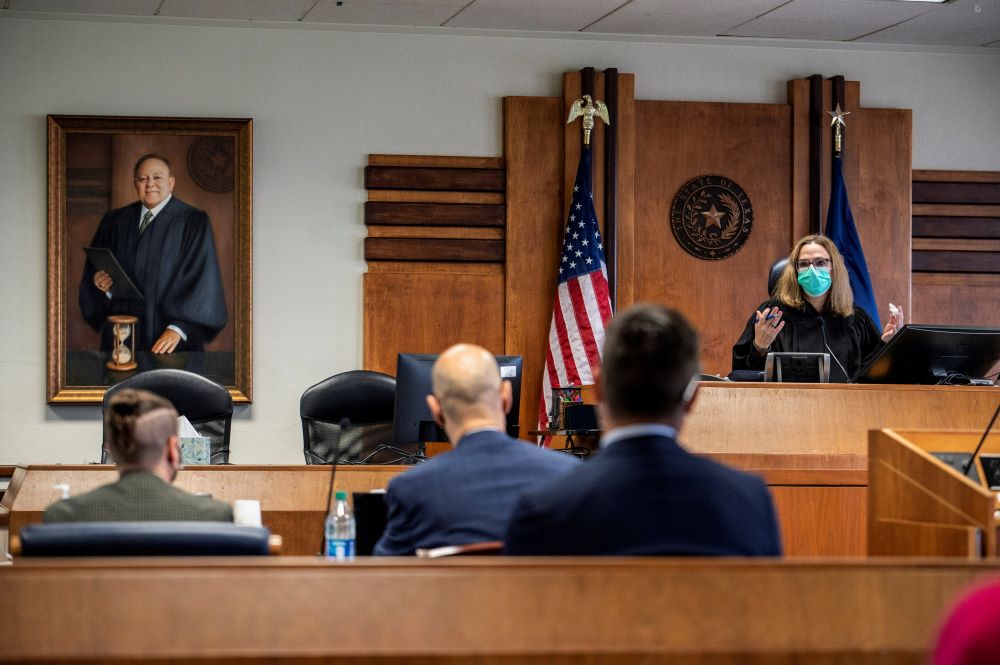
x=468, y=388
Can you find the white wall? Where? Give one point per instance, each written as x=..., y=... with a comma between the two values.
x=321, y=101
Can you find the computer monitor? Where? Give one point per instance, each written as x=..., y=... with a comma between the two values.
x=412, y=420
x=922, y=354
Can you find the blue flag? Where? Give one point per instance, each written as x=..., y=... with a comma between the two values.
x=841, y=230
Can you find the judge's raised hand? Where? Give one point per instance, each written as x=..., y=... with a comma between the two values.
x=767, y=327
x=103, y=281
x=167, y=342
x=894, y=324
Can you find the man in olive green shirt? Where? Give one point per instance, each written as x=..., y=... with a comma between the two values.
x=142, y=430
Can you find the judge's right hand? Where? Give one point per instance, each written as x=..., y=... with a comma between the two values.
x=103, y=281
x=766, y=330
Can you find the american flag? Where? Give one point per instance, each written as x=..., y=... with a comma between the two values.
x=583, y=302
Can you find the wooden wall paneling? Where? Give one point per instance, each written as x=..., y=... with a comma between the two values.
x=678, y=141
x=798, y=99
x=955, y=227
x=424, y=196
x=426, y=307
x=433, y=214
x=982, y=193
x=436, y=161
x=881, y=139
x=533, y=149
x=960, y=261
x=822, y=521
x=434, y=249
x=625, y=240
x=934, y=299
x=414, y=177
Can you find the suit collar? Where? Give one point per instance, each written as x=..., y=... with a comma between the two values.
x=642, y=430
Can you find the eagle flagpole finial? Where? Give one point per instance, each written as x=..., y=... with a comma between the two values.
x=588, y=110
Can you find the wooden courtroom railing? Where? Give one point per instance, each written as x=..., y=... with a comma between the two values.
x=476, y=610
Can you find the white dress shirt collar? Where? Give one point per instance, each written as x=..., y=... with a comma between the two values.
x=156, y=210
x=635, y=431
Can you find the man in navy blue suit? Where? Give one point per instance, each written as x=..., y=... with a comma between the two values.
x=643, y=493
x=466, y=495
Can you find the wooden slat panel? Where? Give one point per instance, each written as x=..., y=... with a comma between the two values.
x=533, y=146
x=425, y=308
x=417, y=196
x=933, y=261
x=626, y=190
x=798, y=99
x=435, y=232
x=406, y=177
x=956, y=192
x=942, y=210
x=956, y=176
x=956, y=227
x=840, y=509
x=419, y=249
x=434, y=214
x=948, y=244
x=437, y=161
x=935, y=301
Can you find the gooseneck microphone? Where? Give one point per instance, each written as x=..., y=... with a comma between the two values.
x=968, y=465
x=344, y=424
x=822, y=329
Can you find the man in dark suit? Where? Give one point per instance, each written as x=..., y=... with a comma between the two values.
x=643, y=493
x=143, y=438
x=466, y=495
x=167, y=248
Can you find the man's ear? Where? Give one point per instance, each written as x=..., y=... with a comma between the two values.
x=506, y=395
x=174, y=451
x=437, y=413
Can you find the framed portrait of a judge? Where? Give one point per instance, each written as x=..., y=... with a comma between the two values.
x=149, y=251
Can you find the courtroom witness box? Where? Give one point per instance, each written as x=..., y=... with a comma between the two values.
x=292, y=498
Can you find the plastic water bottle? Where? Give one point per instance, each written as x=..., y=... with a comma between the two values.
x=340, y=530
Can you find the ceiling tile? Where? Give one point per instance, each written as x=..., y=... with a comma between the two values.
x=560, y=15
x=956, y=24
x=424, y=13
x=835, y=20
x=257, y=10
x=682, y=17
x=109, y=7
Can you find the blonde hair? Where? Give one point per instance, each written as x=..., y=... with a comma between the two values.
x=841, y=298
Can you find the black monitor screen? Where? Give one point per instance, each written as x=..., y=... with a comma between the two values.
x=920, y=354
x=412, y=420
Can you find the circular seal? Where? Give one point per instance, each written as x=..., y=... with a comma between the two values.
x=211, y=163
x=711, y=217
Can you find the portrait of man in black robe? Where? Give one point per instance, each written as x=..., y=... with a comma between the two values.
x=167, y=248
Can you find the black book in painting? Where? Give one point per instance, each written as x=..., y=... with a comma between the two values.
x=104, y=259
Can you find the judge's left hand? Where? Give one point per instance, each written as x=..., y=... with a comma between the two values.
x=167, y=342
x=893, y=325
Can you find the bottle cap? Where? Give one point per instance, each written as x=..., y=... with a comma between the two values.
x=341, y=496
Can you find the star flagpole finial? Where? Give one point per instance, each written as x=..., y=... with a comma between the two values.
x=837, y=122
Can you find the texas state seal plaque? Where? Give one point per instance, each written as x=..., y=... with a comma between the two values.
x=711, y=217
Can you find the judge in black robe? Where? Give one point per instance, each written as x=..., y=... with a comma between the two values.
x=827, y=322
x=172, y=262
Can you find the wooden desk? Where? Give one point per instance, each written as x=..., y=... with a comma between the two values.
x=292, y=498
x=476, y=610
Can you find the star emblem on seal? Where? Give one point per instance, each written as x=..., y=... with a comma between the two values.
x=711, y=217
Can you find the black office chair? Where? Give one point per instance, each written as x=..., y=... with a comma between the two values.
x=775, y=274
x=206, y=404
x=143, y=539
x=367, y=399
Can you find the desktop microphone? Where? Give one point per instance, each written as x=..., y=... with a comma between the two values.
x=822, y=329
x=344, y=424
x=975, y=452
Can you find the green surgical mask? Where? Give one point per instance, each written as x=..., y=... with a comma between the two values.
x=814, y=282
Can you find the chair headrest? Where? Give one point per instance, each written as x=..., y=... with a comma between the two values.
x=192, y=394
x=143, y=539
x=361, y=395
x=772, y=277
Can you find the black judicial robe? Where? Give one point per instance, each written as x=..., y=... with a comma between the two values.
x=175, y=267
x=852, y=339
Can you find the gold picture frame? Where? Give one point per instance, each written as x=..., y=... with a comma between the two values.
x=90, y=176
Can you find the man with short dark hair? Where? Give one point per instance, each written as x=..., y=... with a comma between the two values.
x=167, y=248
x=643, y=493
x=466, y=495
x=142, y=431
